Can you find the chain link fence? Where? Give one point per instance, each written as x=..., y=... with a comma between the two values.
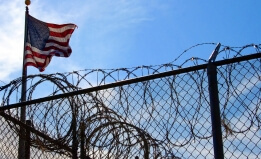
x=163, y=114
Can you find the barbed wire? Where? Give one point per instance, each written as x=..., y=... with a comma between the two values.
x=92, y=77
x=124, y=121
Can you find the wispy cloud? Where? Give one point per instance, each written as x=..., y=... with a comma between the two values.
x=11, y=39
x=105, y=31
x=108, y=30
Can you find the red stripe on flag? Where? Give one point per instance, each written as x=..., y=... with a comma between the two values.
x=58, y=51
x=59, y=25
x=36, y=54
x=61, y=34
x=58, y=43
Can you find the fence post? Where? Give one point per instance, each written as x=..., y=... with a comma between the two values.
x=27, y=140
x=74, y=136
x=214, y=105
x=82, y=136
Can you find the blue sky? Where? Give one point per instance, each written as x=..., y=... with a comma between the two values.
x=129, y=33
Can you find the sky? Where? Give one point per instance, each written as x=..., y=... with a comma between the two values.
x=128, y=33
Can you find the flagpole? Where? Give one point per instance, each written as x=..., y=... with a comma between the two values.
x=21, y=149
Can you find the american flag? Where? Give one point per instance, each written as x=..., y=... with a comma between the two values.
x=45, y=40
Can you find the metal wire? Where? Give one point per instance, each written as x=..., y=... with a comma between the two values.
x=166, y=117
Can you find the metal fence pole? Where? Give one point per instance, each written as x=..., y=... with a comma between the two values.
x=27, y=140
x=74, y=139
x=82, y=138
x=214, y=106
x=75, y=142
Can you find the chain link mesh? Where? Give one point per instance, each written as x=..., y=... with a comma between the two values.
x=165, y=117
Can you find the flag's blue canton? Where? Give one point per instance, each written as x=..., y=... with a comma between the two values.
x=38, y=33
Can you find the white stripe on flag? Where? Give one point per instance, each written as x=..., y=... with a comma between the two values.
x=34, y=49
x=57, y=46
x=60, y=30
x=59, y=39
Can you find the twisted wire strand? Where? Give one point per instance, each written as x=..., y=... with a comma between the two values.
x=122, y=120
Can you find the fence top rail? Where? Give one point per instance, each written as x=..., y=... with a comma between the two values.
x=131, y=81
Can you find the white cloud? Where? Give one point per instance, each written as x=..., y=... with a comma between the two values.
x=12, y=29
x=106, y=30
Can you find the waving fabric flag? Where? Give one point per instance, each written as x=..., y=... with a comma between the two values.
x=45, y=40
